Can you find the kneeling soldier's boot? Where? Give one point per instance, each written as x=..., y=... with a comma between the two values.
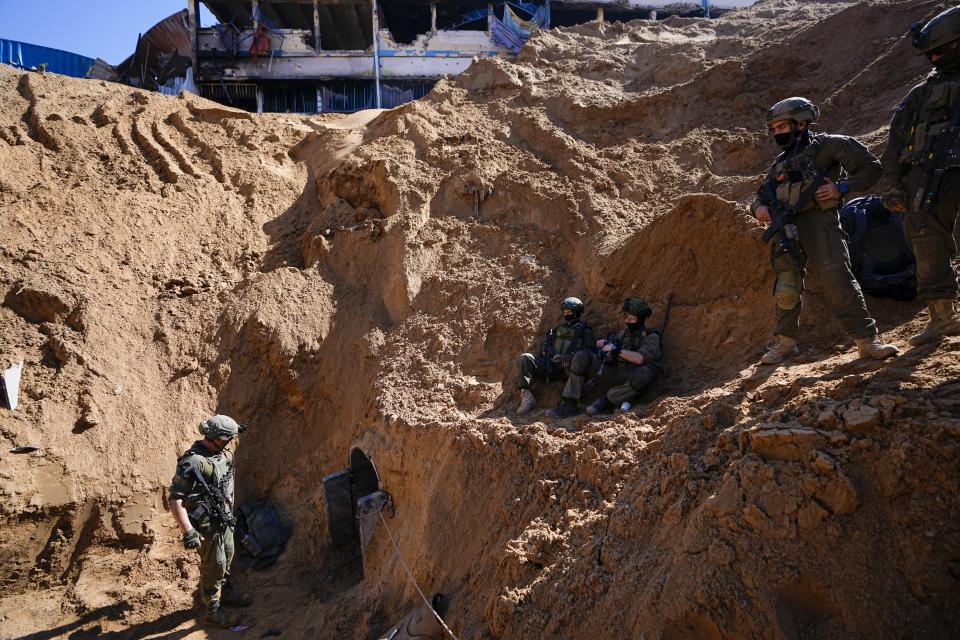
x=566, y=408
x=600, y=405
x=784, y=348
x=943, y=322
x=527, y=402
x=873, y=348
x=217, y=616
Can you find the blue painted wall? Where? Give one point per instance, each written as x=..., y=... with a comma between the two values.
x=24, y=55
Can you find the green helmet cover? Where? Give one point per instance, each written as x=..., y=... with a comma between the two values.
x=942, y=29
x=637, y=307
x=219, y=427
x=574, y=304
x=796, y=108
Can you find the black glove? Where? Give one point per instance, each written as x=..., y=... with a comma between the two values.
x=191, y=539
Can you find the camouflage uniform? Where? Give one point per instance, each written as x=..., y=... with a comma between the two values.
x=925, y=109
x=820, y=235
x=216, y=549
x=621, y=381
x=568, y=339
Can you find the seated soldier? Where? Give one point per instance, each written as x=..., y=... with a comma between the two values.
x=559, y=348
x=629, y=361
x=881, y=259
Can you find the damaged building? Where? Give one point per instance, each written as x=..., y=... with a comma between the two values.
x=311, y=56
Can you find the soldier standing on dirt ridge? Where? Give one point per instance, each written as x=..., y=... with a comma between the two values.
x=556, y=359
x=201, y=501
x=808, y=181
x=921, y=164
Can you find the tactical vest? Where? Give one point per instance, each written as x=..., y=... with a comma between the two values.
x=930, y=119
x=216, y=469
x=567, y=337
x=794, y=172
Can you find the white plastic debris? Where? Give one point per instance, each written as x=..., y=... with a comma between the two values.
x=10, y=378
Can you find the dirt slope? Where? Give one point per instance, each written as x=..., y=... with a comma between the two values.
x=368, y=281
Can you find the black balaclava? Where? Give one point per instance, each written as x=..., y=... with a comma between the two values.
x=789, y=139
x=949, y=62
x=633, y=327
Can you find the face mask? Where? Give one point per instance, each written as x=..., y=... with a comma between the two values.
x=784, y=139
x=949, y=61
x=788, y=138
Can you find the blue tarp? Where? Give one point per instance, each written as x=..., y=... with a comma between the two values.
x=24, y=56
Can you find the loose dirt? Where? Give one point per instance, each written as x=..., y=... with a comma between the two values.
x=369, y=281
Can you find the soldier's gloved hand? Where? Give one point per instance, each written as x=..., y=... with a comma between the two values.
x=191, y=539
x=896, y=199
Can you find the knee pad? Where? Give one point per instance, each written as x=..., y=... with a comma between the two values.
x=787, y=289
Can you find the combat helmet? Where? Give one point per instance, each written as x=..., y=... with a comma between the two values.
x=637, y=307
x=796, y=108
x=574, y=304
x=220, y=427
x=942, y=29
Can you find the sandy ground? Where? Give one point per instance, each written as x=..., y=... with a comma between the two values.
x=369, y=281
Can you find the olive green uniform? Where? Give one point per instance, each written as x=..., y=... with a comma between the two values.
x=818, y=226
x=922, y=114
x=216, y=549
x=568, y=340
x=620, y=380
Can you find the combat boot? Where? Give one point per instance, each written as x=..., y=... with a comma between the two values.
x=784, y=348
x=527, y=402
x=600, y=405
x=566, y=408
x=873, y=348
x=943, y=322
x=217, y=616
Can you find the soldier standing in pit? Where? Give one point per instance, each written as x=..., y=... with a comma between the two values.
x=811, y=176
x=921, y=164
x=202, y=527
x=554, y=363
x=629, y=361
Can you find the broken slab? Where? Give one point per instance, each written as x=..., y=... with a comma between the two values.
x=792, y=443
x=861, y=419
x=41, y=301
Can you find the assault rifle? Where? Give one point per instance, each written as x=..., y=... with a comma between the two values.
x=548, y=355
x=940, y=152
x=213, y=503
x=784, y=219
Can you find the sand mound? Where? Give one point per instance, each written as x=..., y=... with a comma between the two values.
x=368, y=281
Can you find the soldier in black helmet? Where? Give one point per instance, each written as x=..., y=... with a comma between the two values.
x=203, y=528
x=627, y=363
x=811, y=177
x=554, y=363
x=921, y=167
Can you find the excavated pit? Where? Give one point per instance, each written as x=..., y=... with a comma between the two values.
x=367, y=281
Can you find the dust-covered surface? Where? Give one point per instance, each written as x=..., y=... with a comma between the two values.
x=369, y=280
